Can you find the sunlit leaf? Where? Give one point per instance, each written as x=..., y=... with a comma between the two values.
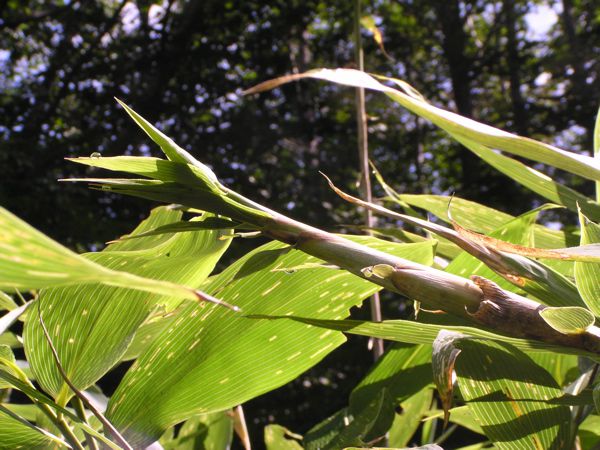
x=424, y=333
x=587, y=275
x=31, y=260
x=16, y=432
x=92, y=326
x=569, y=319
x=207, y=361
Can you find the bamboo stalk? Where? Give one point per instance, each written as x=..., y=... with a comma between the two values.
x=363, y=162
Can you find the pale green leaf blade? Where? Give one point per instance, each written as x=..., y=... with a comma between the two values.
x=568, y=320
x=6, y=302
x=235, y=358
x=587, y=274
x=483, y=219
x=91, y=326
x=207, y=432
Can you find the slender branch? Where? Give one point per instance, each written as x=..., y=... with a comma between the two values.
x=109, y=426
x=363, y=161
x=80, y=411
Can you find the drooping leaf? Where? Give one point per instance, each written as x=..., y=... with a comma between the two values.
x=208, y=361
x=587, y=275
x=280, y=438
x=443, y=359
x=534, y=180
x=589, y=431
x=11, y=317
x=454, y=124
x=569, y=319
x=92, y=326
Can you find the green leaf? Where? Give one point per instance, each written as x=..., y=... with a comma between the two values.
x=11, y=317
x=407, y=422
x=92, y=326
x=325, y=431
x=461, y=415
x=402, y=371
x=280, y=438
x=6, y=302
x=587, y=274
x=457, y=126
x=16, y=432
x=7, y=355
x=569, y=319
x=207, y=432
x=589, y=432
x=507, y=393
x=172, y=151
x=36, y=395
x=361, y=423
x=209, y=361
x=424, y=333
x=31, y=260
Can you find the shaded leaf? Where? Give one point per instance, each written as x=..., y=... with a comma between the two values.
x=16, y=432
x=280, y=438
x=207, y=432
x=407, y=422
x=507, y=392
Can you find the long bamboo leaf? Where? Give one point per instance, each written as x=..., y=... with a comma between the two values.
x=454, y=124
x=31, y=260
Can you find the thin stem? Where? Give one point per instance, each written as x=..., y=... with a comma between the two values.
x=363, y=161
x=80, y=411
x=61, y=424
